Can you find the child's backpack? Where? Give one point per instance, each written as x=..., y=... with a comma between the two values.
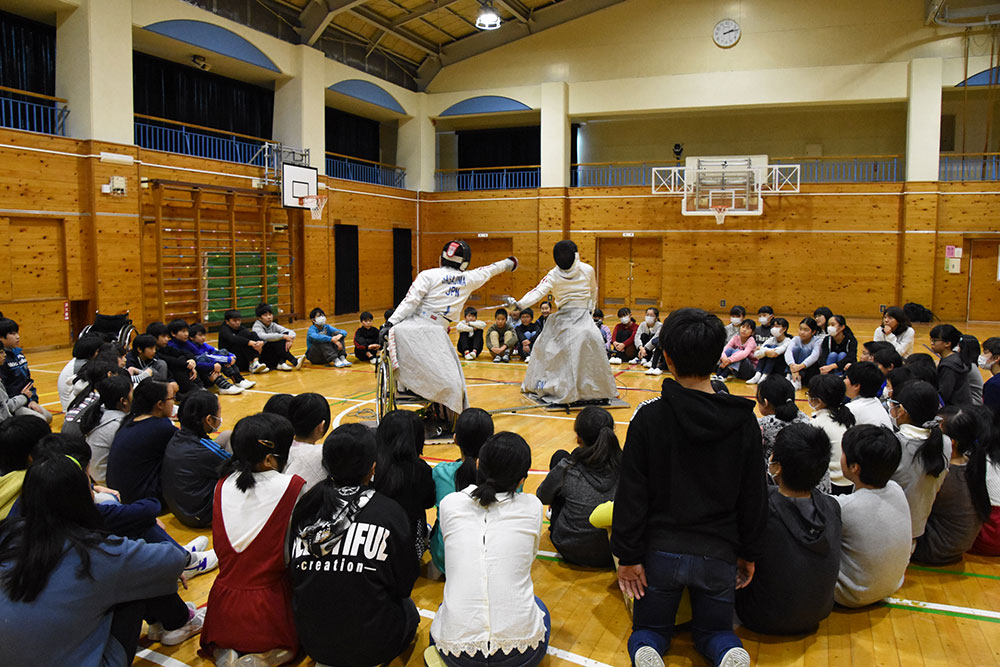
x=918, y=313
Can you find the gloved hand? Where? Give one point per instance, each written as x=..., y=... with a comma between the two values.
x=513, y=259
x=383, y=334
x=511, y=303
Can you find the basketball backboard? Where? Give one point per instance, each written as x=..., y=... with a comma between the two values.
x=297, y=182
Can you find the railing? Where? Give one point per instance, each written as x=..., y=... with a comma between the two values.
x=161, y=134
x=969, y=167
x=45, y=114
x=364, y=171
x=487, y=178
x=846, y=168
x=600, y=174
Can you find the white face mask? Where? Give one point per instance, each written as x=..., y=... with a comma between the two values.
x=984, y=361
x=832, y=330
x=775, y=331
x=763, y=319
x=626, y=319
x=650, y=320
x=320, y=320
x=735, y=320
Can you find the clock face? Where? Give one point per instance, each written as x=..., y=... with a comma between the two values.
x=726, y=33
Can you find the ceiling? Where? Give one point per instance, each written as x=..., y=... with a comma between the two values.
x=403, y=41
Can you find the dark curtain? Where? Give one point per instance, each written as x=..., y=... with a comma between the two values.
x=345, y=243
x=402, y=263
x=27, y=55
x=505, y=147
x=180, y=92
x=347, y=134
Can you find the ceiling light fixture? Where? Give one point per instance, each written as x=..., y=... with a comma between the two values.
x=489, y=18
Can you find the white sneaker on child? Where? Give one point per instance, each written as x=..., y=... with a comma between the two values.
x=247, y=384
x=654, y=371
x=299, y=362
x=614, y=360
x=284, y=367
x=336, y=363
x=272, y=658
x=734, y=657
x=199, y=543
x=345, y=362
x=201, y=562
x=374, y=361
x=634, y=360
x=257, y=367
x=647, y=363
x=231, y=390
x=755, y=379
x=189, y=629
x=647, y=656
x=797, y=384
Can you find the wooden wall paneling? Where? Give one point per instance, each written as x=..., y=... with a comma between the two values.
x=920, y=218
x=647, y=274
x=5, y=263
x=38, y=269
x=375, y=286
x=613, y=273
x=983, y=259
x=231, y=224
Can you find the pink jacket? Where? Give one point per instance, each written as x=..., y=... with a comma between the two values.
x=743, y=350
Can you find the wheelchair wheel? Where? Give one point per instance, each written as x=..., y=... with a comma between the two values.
x=385, y=386
x=85, y=331
x=126, y=335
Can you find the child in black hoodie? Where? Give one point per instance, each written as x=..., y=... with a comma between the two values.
x=691, y=504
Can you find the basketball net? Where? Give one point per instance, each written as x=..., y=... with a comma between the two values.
x=720, y=213
x=315, y=204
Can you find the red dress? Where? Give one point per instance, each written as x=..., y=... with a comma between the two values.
x=988, y=541
x=250, y=604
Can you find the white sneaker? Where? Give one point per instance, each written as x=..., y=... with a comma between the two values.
x=247, y=384
x=647, y=363
x=374, y=360
x=647, y=656
x=336, y=363
x=755, y=379
x=345, y=362
x=614, y=360
x=189, y=629
x=199, y=543
x=284, y=367
x=225, y=657
x=154, y=631
x=273, y=658
x=299, y=362
x=201, y=562
x=231, y=390
x=527, y=359
x=257, y=367
x=797, y=384
x=635, y=360
x=734, y=657
x=654, y=371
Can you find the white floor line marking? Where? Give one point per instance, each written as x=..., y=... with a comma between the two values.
x=525, y=414
x=343, y=413
x=550, y=554
x=917, y=604
x=159, y=658
x=42, y=370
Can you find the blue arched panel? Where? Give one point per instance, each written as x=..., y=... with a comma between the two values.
x=367, y=91
x=981, y=79
x=484, y=104
x=213, y=38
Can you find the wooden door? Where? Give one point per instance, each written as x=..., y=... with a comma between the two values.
x=984, y=281
x=487, y=251
x=629, y=273
x=647, y=271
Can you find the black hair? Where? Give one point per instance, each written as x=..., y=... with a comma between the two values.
x=564, y=253
x=262, y=309
x=253, y=438
x=841, y=319
x=598, y=313
x=504, y=461
x=780, y=322
x=499, y=312
x=920, y=400
x=528, y=311
x=7, y=327
x=278, y=405
x=749, y=323
x=623, y=311
x=596, y=429
x=92, y=373
x=366, y=316
x=112, y=390
x=348, y=454
x=969, y=428
x=780, y=395
x=18, y=436
x=306, y=412
x=232, y=315
x=197, y=328
x=947, y=334
x=811, y=323
x=889, y=359
x=992, y=345
x=738, y=311
x=314, y=312
x=824, y=311
x=56, y=509
x=157, y=329
x=867, y=376
x=875, y=449
x=111, y=353
x=469, y=310
x=473, y=428
x=143, y=342
x=693, y=339
x=830, y=390
x=176, y=326
x=145, y=396
x=656, y=311
x=898, y=377
x=765, y=310
x=902, y=319
x=804, y=454
x=922, y=367
x=874, y=346
x=196, y=406
x=400, y=442
x=87, y=346
x=388, y=313
x=970, y=350
x=60, y=444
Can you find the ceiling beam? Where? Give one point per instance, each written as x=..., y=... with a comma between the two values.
x=416, y=41
x=520, y=12
x=318, y=14
x=422, y=10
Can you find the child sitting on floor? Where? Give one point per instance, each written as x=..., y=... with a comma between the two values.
x=14, y=372
x=366, y=346
x=736, y=316
x=623, y=337
x=737, y=357
x=647, y=337
x=603, y=328
x=501, y=339
x=206, y=354
x=143, y=357
x=325, y=344
x=770, y=354
x=526, y=332
x=470, y=334
x=242, y=342
x=208, y=368
x=278, y=341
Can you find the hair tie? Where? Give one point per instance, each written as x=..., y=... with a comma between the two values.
x=74, y=461
x=931, y=423
x=787, y=401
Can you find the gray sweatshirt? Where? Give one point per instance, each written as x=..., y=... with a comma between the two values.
x=576, y=491
x=272, y=332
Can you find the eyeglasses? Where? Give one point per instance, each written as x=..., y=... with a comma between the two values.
x=893, y=402
x=266, y=443
x=170, y=398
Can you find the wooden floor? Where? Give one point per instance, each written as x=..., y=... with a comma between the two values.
x=940, y=616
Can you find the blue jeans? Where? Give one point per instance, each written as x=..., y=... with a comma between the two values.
x=529, y=658
x=799, y=354
x=835, y=357
x=712, y=584
x=772, y=365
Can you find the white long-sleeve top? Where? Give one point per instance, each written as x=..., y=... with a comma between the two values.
x=468, y=327
x=774, y=344
x=652, y=331
x=442, y=292
x=903, y=342
x=575, y=287
x=273, y=331
x=812, y=347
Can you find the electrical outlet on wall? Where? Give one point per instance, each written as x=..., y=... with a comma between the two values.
x=722, y=303
x=882, y=308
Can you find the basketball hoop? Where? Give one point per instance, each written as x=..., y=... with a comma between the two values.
x=720, y=213
x=315, y=204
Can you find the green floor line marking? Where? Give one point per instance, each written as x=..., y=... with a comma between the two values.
x=554, y=560
x=942, y=612
x=956, y=572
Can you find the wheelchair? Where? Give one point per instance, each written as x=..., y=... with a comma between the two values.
x=439, y=422
x=113, y=328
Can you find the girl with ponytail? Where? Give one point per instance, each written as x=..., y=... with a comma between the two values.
x=473, y=428
x=101, y=421
x=952, y=370
x=578, y=483
x=826, y=397
x=776, y=404
x=250, y=517
x=963, y=503
x=492, y=530
x=926, y=454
